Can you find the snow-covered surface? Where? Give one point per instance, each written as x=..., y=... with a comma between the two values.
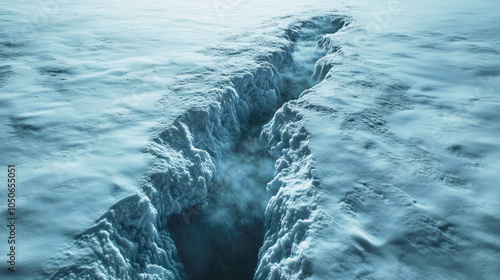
x=120, y=114
x=407, y=163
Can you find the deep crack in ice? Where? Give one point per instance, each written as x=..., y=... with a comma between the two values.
x=223, y=241
x=201, y=212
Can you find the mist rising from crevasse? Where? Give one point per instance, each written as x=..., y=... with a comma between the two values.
x=222, y=241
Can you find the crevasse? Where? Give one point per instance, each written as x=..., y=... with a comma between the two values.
x=203, y=211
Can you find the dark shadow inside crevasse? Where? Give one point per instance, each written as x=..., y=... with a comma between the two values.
x=223, y=240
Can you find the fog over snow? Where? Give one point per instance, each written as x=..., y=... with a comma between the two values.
x=230, y=139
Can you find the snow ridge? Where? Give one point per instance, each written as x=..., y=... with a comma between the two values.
x=132, y=240
x=291, y=211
